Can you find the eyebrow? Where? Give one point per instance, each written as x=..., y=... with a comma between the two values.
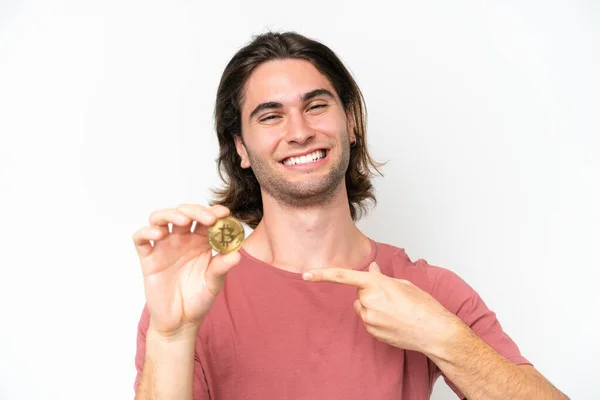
x=306, y=97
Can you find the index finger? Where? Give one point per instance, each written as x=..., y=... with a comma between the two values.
x=360, y=279
x=204, y=215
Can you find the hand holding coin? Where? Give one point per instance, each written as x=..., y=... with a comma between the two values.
x=181, y=275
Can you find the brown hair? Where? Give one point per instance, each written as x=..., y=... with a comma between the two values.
x=241, y=193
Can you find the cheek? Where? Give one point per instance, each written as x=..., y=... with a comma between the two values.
x=260, y=140
x=329, y=125
x=264, y=141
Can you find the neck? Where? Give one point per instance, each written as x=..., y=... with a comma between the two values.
x=299, y=239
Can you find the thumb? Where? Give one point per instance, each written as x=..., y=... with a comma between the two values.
x=218, y=268
x=373, y=267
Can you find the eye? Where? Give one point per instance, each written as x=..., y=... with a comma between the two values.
x=318, y=106
x=269, y=118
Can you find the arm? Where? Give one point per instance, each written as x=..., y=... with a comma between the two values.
x=168, y=369
x=181, y=282
x=453, y=332
x=481, y=373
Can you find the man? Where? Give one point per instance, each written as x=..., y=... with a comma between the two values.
x=309, y=307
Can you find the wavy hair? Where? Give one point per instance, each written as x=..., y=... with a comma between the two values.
x=241, y=191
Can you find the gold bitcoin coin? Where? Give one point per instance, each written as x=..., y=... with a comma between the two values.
x=226, y=235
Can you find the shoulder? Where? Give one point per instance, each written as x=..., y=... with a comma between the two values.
x=443, y=284
x=454, y=293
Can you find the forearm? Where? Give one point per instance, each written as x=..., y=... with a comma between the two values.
x=479, y=372
x=168, y=371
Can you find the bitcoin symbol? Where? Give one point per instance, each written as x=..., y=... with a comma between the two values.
x=226, y=235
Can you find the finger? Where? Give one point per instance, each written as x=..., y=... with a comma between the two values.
x=373, y=267
x=218, y=268
x=363, y=313
x=204, y=216
x=360, y=279
x=358, y=307
x=181, y=222
x=142, y=239
x=219, y=212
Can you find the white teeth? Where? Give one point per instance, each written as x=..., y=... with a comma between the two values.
x=312, y=157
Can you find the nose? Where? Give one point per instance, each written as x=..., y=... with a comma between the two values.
x=298, y=130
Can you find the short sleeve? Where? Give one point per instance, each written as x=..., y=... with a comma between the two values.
x=200, y=386
x=461, y=299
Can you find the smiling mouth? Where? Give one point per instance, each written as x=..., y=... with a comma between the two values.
x=306, y=159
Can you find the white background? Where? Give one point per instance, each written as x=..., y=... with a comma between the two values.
x=487, y=112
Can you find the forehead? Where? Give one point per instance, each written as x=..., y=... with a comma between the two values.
x=284, y=81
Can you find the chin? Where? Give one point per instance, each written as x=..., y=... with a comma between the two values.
x=308, y=193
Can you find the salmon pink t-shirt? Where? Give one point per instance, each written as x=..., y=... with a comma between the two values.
x=272, y=336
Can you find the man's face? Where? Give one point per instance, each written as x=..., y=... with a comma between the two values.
x=296, y=134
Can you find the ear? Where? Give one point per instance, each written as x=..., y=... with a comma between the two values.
x=241, y=150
